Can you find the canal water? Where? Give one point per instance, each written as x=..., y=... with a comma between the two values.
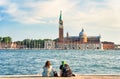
x=28, y=62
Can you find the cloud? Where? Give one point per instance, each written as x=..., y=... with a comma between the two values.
x=35, y=12
x=96, y=15
x=3, y=2
x=82, y=12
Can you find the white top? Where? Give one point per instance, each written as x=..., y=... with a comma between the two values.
x=47, y=71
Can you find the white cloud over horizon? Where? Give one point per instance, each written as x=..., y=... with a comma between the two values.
x=96, y=16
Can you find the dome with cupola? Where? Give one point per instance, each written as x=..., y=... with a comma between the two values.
x=82, y=34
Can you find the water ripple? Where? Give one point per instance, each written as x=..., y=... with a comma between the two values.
x=23, y=62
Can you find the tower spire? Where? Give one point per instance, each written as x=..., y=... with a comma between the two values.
x=60, y=18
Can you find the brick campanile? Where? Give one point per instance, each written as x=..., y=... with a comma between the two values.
x=61, y=37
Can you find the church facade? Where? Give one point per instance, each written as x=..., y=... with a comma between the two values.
x=82, y=41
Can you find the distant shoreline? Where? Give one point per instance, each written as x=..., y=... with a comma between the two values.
x=44, y=49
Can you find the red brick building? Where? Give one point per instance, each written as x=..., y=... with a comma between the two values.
x=108, y=45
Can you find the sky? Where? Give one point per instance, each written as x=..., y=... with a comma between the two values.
x=38, y=19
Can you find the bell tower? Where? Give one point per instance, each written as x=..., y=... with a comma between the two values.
x=61, y=37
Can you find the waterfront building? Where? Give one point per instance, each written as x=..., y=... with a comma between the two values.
x=13, y=45
x=49, y=44
x=5, y=45
x=108, y=45
x=82, y=41
x=117, y=47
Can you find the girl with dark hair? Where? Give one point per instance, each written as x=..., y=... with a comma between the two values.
x=47, y=70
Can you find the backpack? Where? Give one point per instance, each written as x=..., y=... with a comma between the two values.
x=66, y=71
x=55, y=73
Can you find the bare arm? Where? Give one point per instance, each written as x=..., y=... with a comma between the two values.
x=60, y=73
